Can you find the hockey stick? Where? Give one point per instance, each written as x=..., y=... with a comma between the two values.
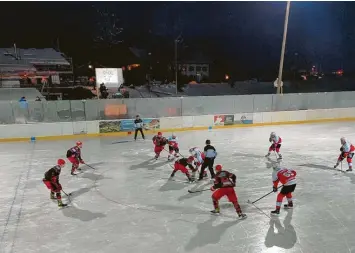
x=66, y=194
x=263, y=196
x=198, y=191
x=89, y=166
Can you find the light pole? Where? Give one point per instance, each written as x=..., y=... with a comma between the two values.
x=176, y=66
x=279, y=88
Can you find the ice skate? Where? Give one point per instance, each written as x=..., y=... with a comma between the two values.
x=336, y=165
x=60, y=204
x=280, y=157
x=268, y=154
x=51, y=196
x=288, y=206
x=242, y=216
x=350, y=169
x=275, y=212
x=215, y=211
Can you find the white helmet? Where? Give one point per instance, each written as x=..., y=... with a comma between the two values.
x=273, y=134
x=192, y=150
x=173, y=135
x=342, y=140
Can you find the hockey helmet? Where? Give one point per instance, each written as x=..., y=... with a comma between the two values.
x=342, y=140
x=79, y=144
x=173, y=136
x=160, y=134
x=218, y=167
x=273, y=134
x=61, y=162
x=208, y=142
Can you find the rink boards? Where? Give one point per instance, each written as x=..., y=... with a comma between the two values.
x=82, y=129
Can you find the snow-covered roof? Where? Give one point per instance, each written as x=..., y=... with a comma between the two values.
x=47, y=56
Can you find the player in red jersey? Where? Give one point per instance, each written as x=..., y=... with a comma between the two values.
x=224, y=183
x=276, y=145
x=159, y=144
x=347, y=151
x=287, y=177
x=181, y=165
x=74, y=156
x=51, y=180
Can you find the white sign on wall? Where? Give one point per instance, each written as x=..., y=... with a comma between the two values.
x=111, y=77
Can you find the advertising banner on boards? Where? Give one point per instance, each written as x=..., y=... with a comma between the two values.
x=223, y=120
x=126, y=125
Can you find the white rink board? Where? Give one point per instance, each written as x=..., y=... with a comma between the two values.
x=183, y=123
x=127, y=205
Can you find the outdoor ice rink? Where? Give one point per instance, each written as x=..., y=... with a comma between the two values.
x=127, y=205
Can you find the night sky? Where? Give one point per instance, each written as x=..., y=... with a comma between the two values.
x=247, y=33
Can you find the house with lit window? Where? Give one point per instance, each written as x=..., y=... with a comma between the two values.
x=196, y=66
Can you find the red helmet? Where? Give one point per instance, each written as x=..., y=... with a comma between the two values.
x=79, y=143
x=218, y=167
x=61, y=162
x=160, y=134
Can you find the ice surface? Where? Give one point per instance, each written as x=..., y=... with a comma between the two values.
x=127, y=204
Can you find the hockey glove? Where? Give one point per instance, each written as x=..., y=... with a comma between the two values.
x=274, y=189
x=82, y=162
x=341, y=149
x=212, y=188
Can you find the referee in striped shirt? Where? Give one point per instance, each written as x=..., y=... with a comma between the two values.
x=138, y=125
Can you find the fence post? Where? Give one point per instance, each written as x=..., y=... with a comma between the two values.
x=181, y=113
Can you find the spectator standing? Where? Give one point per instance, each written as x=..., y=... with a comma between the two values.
x=138, y=125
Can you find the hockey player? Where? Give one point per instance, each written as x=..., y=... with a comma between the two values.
x=181, y=166
x=51, y=180
x=347, y=151
x=74, y=156
x=159, y=142
x=173, y=146
x=199, y=157
x=210, y=155
x=287, y=177
x=275, y=146
x=224, y=183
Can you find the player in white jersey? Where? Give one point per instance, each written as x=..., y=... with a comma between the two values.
x=198, y=159
x=173, y=142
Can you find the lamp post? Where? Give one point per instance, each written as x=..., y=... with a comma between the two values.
x=176, y=66
x=279, y=88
